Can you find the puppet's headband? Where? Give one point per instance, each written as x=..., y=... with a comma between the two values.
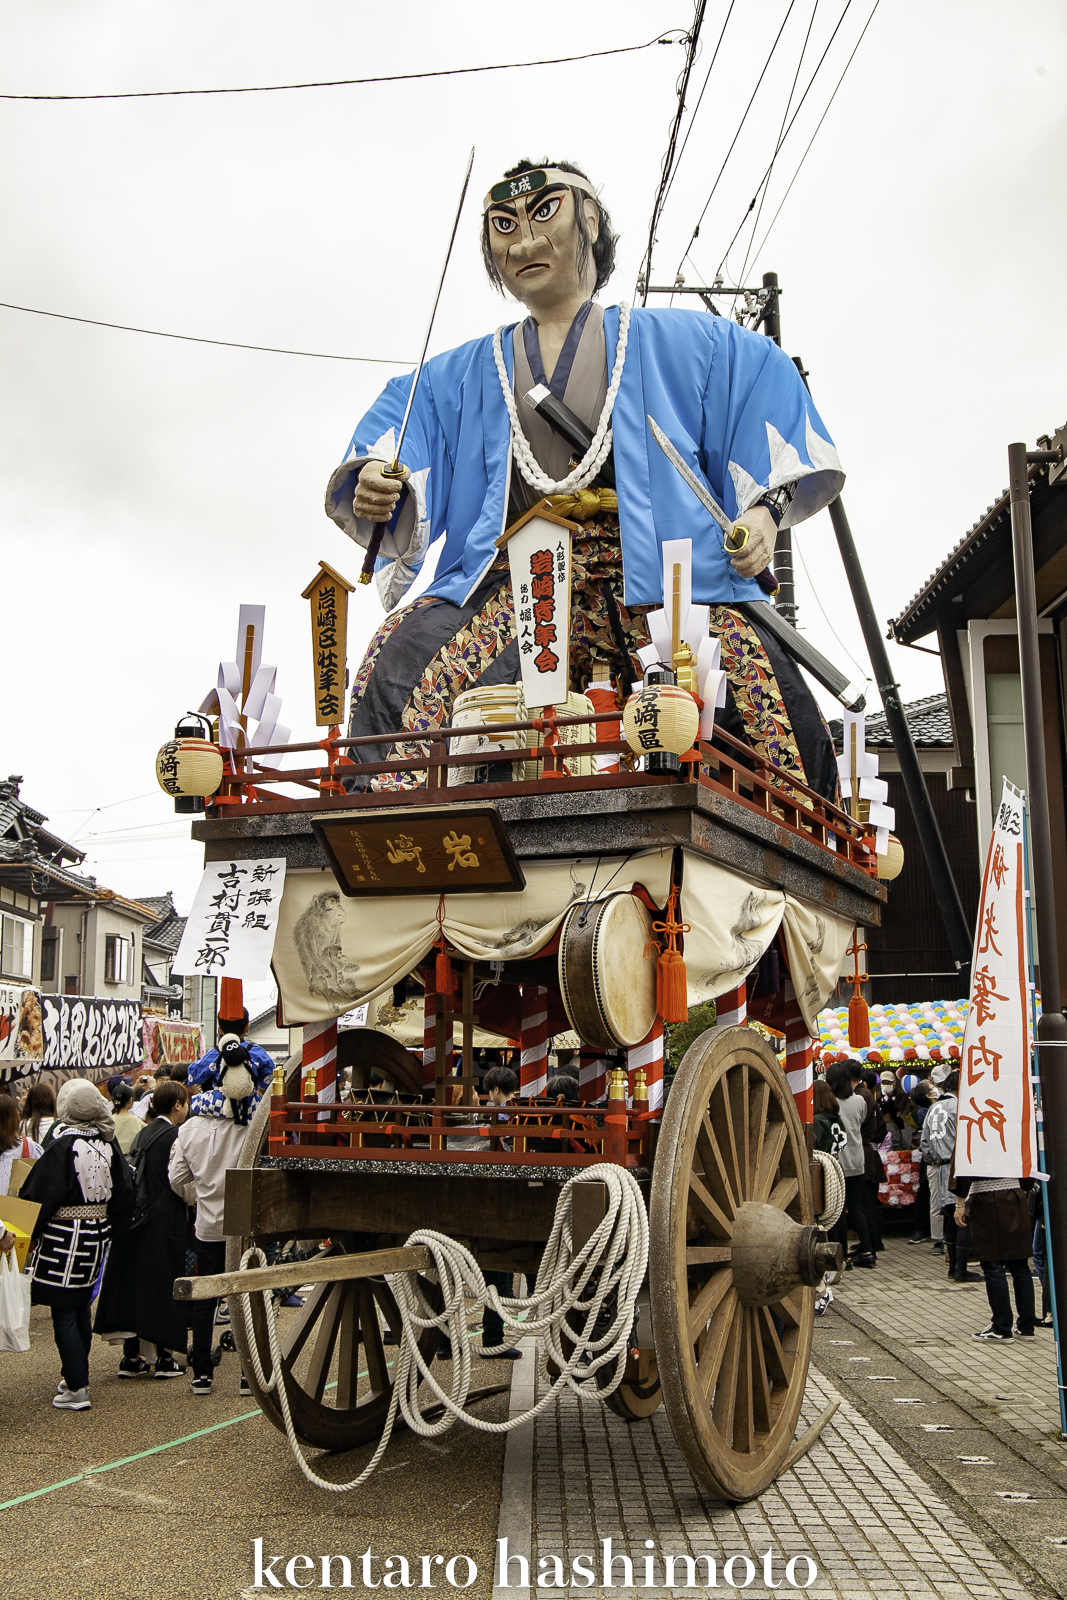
x=530, y=182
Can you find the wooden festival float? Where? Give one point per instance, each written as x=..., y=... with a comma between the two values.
x=698, y=860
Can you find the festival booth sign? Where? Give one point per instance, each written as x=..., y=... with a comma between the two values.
x=169, y=1042
x=69, y=1035
x=21, y=1030
x=996, y=1133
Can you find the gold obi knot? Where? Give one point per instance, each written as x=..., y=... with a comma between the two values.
x=584, y=504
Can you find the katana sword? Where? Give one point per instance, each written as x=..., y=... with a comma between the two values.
x=761, y=614
x=395, y=471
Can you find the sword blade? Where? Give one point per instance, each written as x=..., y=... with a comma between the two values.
x=703, y=494
x=433, y=313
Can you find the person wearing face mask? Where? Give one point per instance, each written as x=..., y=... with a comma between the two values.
x=476, y=457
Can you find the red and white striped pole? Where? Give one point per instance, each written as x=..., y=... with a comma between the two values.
x=318, y=1054
x=731, y=1008
x=798, y=1055
x=592, y=1076
x=533, y=1041
x=649, y=1055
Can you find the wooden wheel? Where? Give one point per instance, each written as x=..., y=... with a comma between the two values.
x=633, y=1401
x=733, y=1255
x=338, y=1374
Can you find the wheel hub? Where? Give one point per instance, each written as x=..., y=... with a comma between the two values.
x=772, y=1255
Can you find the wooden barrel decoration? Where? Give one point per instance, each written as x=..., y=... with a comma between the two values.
x=607, y=982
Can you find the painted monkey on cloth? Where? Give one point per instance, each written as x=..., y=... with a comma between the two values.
x=477, y=457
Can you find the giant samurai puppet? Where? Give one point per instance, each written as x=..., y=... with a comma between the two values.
x=477, y=458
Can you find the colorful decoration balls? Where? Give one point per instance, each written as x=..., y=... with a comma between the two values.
x=189, y=766
x=660, y=717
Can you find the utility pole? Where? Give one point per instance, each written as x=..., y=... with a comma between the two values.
x=1052, y=1025
x=785, y=601
x=960, y=933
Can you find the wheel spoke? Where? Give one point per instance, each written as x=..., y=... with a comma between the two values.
x=779, y=1362
x=373, y=1348
x=325, y=1341
x=709, y=1296
x=387, y=1305
x=791, y=1309
x=715, y=1175
x=744, y=1409
x=762, y=1412
x=707, y=1255
x=784, y=1192
x=724, y=1126
x=299, y=1335
x=725, y=1402
x=758, y=1104
x=741, y=1139
x=348, y=1350
x=704, y=1205
x=715, y=1343
x=771, y=1155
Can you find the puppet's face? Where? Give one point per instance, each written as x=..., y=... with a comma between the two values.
x=536, y=244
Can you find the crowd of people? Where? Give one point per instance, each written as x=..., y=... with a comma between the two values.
x=860, y=1116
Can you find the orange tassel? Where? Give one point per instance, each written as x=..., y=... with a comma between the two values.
x=672, y=1001
x=443, y=973
x=859, y=1023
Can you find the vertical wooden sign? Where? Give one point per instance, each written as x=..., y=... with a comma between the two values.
x=328, y=593
x=539, y=555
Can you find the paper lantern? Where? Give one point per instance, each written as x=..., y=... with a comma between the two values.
x=909, y=1082
x=889, y=865
x=660, y=717
x=189, y=767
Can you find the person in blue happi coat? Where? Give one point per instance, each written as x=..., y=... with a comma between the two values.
x=476, y=458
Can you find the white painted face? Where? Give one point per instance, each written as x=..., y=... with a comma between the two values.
x=536, y=243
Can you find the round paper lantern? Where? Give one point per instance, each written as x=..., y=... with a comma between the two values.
x=889, y=865
x=660, y=717
x=189, y=767
x=909, y=1082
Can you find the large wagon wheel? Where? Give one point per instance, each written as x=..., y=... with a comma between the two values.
x=335, y=1338
x=732, y=1261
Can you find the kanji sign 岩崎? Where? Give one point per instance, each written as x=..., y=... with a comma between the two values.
x=995, y=1129
x=328, y=593
x=539, y=555
x=231, y=928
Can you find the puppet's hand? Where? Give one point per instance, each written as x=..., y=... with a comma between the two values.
x=376, y=495
x=760, y=547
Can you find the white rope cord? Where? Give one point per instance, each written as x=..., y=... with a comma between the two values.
x=833, y=1189
x=611, y=1263
x=597, y=454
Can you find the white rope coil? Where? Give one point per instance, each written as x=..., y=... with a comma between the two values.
x=608, y=1271
x=597, y=454
x=833, y=1189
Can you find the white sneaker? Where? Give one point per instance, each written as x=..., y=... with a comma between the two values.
x=72, y=1399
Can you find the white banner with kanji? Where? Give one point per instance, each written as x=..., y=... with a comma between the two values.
x=231, y=929
x=539, y=555
x=996, y=1135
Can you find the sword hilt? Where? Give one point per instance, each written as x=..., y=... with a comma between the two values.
x=378, y=531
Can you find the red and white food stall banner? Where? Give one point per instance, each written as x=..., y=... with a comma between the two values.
x=996, y=1134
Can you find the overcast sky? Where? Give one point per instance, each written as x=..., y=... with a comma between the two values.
x=149, y=487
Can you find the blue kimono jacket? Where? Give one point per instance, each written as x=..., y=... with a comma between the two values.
x=730, y=401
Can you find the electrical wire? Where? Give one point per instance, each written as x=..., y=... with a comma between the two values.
x=192, y=338
x=737, y=134
x=861, y=670
x=342, y=83
x=700, y=97
x=784, y=135
x=818, y=125
x=668, y=159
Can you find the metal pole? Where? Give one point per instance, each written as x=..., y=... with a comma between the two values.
x=1052, y=1025
x=785, y=601
x=960, y=933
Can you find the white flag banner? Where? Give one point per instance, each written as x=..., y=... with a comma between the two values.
x=231, y=929
x=995, y=1129
x=539, y=555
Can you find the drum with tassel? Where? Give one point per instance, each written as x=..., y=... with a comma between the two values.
x=607, y=971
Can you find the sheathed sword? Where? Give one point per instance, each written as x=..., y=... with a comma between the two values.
x=761, y=614
x=396, y=471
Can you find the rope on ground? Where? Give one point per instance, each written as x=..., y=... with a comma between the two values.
x=582, y=1306
x=833, y=1189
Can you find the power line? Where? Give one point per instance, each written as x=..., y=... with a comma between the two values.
x=668, y=159
x=696, y=108
x=818, y=125
x=192, y=338
x=737, y=135
x=765, y=180
x=343, y=83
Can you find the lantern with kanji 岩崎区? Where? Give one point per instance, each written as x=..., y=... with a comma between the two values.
x=189, y=769
x=660, y=718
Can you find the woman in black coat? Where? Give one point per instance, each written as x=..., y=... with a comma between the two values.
x=137, y=1301
x=84, y=1187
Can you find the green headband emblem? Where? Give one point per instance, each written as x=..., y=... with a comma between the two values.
x=526, y=183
